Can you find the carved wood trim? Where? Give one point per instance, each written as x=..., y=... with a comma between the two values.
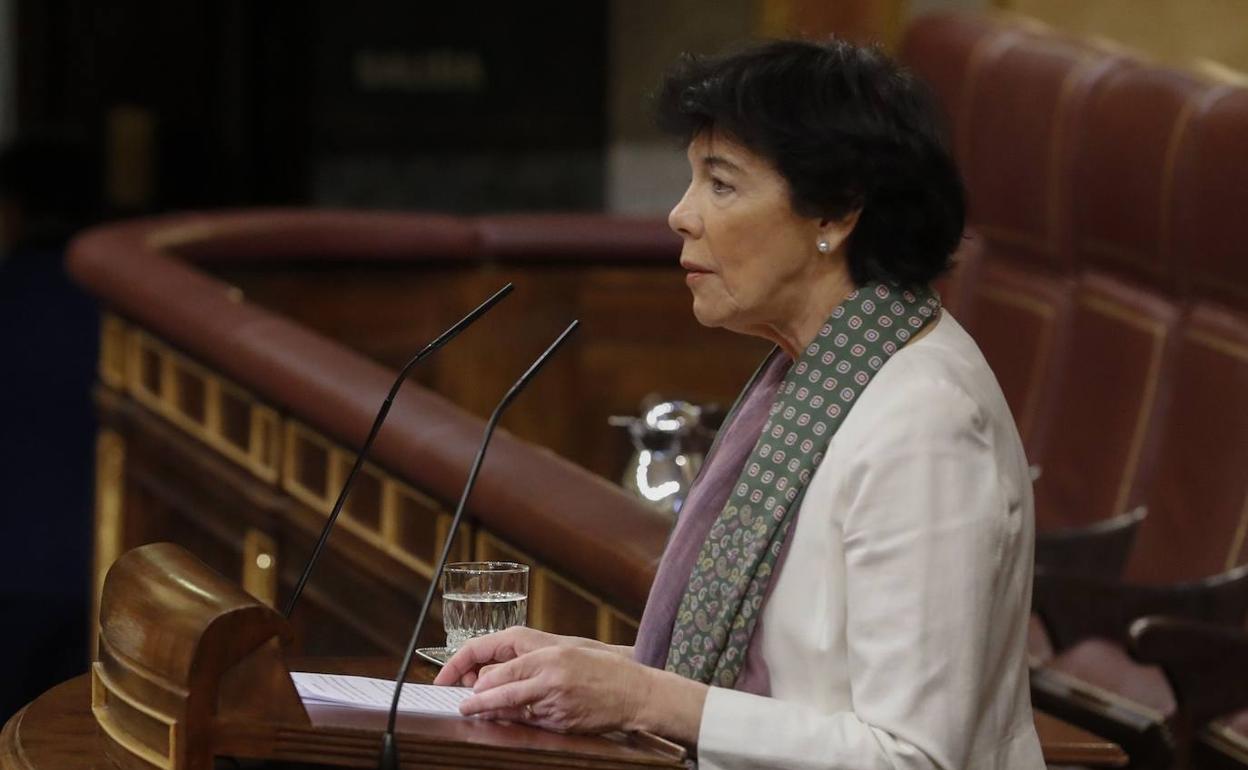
x=110, y=459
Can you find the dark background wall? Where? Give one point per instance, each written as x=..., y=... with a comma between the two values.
x=387, y=103
x=129, y=107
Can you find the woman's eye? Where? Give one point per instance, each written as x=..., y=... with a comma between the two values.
x=720, y=188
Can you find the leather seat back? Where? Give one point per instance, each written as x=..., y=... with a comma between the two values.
x=1109, y=393
x=1022, y=99
x=1102, y=192
x=1023, y=92
x=1020, y=318
x=1211, y=222
x=1198, y=495
x=1198, y=492
x=1125, y=160
x=942, y=48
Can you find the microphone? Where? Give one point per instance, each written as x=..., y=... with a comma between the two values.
x=442, y=339
x=389, y=749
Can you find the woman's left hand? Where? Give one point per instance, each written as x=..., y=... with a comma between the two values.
x=568, y=689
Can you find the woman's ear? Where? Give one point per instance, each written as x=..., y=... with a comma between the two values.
x=834, y=232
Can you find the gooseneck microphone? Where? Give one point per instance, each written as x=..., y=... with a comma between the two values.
x=441, y=340
x=389, y=750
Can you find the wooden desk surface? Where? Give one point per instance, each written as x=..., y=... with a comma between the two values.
x=56, y=731
x=1065, y=744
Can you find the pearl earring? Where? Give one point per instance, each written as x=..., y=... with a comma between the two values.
x=823, y=246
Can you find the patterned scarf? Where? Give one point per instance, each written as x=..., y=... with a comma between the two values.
x=724, y=598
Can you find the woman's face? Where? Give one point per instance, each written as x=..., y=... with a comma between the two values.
x=746, y=253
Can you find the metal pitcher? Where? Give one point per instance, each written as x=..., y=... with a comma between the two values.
x=669, y=439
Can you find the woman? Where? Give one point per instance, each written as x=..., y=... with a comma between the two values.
x=848, y=584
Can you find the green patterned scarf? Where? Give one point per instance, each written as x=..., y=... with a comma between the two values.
x=724, y=598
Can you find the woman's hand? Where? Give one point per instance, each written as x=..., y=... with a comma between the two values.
x=481, y=653
x=586, y=688
x=564, y=688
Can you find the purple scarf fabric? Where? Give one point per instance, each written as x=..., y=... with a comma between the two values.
x=702, y=507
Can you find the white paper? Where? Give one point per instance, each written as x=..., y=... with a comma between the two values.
x=368, y=693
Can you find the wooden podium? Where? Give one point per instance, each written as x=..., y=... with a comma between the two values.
x=191, y=667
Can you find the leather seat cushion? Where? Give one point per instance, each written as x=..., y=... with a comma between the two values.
x=1105, y=664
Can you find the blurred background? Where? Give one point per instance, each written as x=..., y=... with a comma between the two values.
x=126, y=108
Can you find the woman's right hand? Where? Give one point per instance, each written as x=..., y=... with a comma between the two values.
x=482, y=652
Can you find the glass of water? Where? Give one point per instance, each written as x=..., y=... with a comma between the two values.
x=481, y=597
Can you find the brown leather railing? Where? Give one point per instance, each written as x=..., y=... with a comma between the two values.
x=148, y=271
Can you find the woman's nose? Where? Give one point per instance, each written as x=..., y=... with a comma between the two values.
x=682, y=218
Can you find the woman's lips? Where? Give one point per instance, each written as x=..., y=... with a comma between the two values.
x=693, y=272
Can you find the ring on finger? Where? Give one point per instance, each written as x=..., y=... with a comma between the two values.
x=528, y=712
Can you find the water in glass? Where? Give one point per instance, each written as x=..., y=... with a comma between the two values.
x=470, y=615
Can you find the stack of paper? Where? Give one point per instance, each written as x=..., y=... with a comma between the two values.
x=367, y=693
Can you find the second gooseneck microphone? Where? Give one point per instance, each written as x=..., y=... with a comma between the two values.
x=441, y=340
x=389, y=759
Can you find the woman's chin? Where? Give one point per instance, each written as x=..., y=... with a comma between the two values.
x=706, y=316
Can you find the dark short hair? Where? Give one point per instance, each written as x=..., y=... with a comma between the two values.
x=849, y=129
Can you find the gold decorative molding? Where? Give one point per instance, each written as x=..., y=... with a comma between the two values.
x=314, y=469
x=112, y=351
x=364, y=506
x=414, y=528
x=264, y=453
x=387, y=513
x=202, y=403
x=110, y=458
x=462, y=547
x=144, y=370
x=307, y=454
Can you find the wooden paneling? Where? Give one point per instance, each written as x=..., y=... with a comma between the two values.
x=638, y=337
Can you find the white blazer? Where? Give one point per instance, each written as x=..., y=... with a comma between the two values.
x=896, y=630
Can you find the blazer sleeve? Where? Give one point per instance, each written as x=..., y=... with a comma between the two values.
x=923, y=520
